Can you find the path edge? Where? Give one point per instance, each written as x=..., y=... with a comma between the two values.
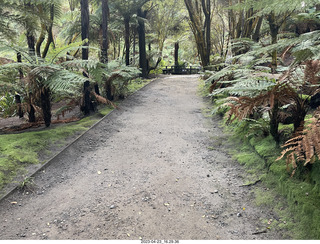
x=50, y=160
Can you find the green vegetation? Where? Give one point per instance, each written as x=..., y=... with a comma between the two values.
x=294, y=199
x=22, y=149
x=261, y=61
x=19, y=150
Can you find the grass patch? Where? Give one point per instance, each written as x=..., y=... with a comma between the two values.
x=17, y=151
x=136, y=84
x=20, y=150
x=295, y=200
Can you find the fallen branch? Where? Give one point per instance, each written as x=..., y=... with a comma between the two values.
x=259, y=232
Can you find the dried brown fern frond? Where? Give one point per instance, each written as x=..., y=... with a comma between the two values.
x=242, y=107
x=103, y=100
x=282, y=93
x=311, y=71
x=304, y=147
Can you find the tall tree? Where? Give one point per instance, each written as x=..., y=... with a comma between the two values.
x=85, y=28
x=142, y=42
x=201, y=28
x=30, y=30
x=104, y=46
x=127, y=8
x=206, y=7
x=86, y=106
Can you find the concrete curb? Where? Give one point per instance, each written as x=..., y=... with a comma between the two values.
x=49, y=161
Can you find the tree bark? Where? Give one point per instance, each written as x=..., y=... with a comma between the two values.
x=85, y=28
x=19, y=60
x=127, y=38
x=71, y=5
x=17, y=97
x=134, y=46
x=176, y=54
x=142, y=44
x=274, y=122
x=231, y=19
x=50, y=32
x=32, y=117
x=206, y=6
x=104, y=47
x=41, y=39
x=87, y=106
x=274, y=30
x=18, y=102
x=86, y=103
x=46, y=106
x=199, y=29
x=256, y=35
x=31, y=43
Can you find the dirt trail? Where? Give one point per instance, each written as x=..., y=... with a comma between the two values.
x=147, y=171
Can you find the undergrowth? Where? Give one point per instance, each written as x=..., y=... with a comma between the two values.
x=294, y=199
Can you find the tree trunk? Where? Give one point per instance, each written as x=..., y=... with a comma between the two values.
x=206, y=6
x=18, y=102
x=85, y=28
x=176, y=54
x=32, y=117
x=96, y=89
x=142, y=44
x=256, y=35
x=40, y=39
x=104, y=47
x=46, y=106
x=31, y=43
x=86, y=103
x=274, y=30
x=50, y=33
x=17, y=97
x=19, y=60
x=71, y=5
x=299, y=114
x=231, y=19
x=239, y=25
x=127, y=38
x=86, y=106
x=119, y=47
x=199, y=30
x=274, y=122
x=249, y=24
x=134, y=46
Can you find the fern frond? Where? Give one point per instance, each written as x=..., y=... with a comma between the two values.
x=305, y=146
x=63, y=80
x=103, y=100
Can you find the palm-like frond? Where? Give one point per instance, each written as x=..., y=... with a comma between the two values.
x=246, y=87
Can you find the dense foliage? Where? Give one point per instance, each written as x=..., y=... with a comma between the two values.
x=260, y=59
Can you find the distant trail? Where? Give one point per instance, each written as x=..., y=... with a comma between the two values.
x=155, y=169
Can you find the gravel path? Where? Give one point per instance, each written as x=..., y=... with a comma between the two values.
x=155, y=169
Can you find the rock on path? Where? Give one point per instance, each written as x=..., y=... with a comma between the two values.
x=144, y=172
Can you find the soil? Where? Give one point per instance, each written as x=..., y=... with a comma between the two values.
x=15, y=124
x=155, y=169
